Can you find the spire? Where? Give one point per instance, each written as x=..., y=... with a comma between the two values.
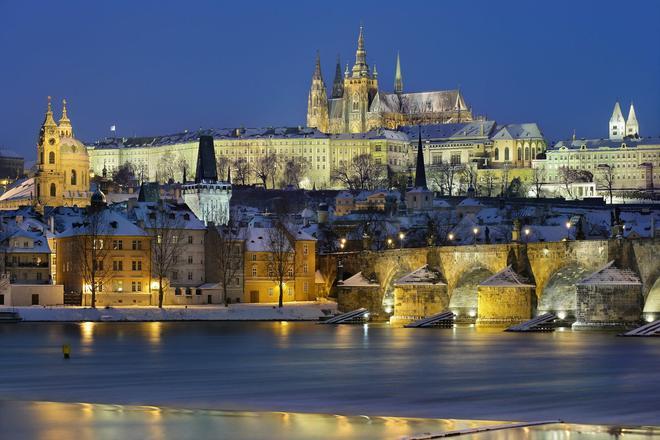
x=632, y=126
x=317, y=69
x=49, y=121
x=617, y=123
x=338, y=84
x=375, y=74
x=360, y=68
x=398, y=79
x=228, y=174
x=206, y=168
x=65, y=123
x=420, y=170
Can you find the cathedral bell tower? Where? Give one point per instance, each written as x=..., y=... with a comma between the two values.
x=317, y=101
x=360, y=87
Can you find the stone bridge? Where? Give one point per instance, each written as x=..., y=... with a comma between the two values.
x=553, y=267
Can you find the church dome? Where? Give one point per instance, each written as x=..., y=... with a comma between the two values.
x=98, y=198
x=72, y=145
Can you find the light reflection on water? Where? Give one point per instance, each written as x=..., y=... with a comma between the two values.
x=461, y=373
x=54, y=421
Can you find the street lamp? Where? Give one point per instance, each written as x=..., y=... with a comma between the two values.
x=401, y=237
x=527, y=231
x=389, y=242
x=475, y=231
x=568, y=230
x=450, y=237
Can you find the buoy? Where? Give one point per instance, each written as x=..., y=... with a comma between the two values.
x=66, y=351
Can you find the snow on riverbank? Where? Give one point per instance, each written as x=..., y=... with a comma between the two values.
x=293, y=311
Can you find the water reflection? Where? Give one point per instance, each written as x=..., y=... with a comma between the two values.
x=54, y=421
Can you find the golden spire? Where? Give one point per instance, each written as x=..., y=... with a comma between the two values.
x=49, y=121
x=65, y=123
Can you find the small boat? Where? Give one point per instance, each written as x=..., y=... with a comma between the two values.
x=7, y=316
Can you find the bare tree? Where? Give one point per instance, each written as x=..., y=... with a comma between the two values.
x=166, y=167
x=606, y=179
x=538, y=178
x=294, y=170
x=443, y=177
x=90, y=249
x=166, y=231
x=360, y=173
x=183, y=167
x=505, y=180
x=488, y=180
x=142, y=172
x=226, y=253
x=242, y=170
x=266, y=167
x=281, y=255
x=222, y=164
x=124, y=174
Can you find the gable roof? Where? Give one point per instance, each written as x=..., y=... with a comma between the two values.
x=507, y=277
x=358, y=280
x=609, y=274
x=422, y=276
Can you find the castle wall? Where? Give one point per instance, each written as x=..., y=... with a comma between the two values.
x=504, y=306
x=600, y=305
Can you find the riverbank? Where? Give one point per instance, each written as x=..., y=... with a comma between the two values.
x=292, y=311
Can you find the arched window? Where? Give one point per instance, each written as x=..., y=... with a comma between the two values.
x=526, y=153
x=51, y=157
x=534, y=153
x=497, y=154
x=519, y=153
x=506, y=153
x=74, y=179
x=53, y=190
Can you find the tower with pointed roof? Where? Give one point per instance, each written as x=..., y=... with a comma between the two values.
x=208, y=197
x=617, y=123
x=419, y=198
x=632, y=126
x=317, y=101
x=338, y=83
x=62, y=177
x=398, y=78
x=360, y=88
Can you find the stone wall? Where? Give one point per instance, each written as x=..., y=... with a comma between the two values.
x=504, y=306
x=352, y=298
x=416, y=302
x=601, y=305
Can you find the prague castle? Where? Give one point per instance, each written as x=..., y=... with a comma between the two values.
x=62, y=169
x=356, y=104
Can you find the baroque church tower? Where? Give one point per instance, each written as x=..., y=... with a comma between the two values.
x=62, y=177
x=317, y=101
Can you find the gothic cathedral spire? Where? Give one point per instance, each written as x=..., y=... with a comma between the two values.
x=360, y=68
x=398, y=78
x=338, y=83
x=617, y=123
x=317, y=101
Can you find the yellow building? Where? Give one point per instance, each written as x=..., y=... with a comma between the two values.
x=260, y=284
x=321, y=152
x=62, y=176
x=123, y=261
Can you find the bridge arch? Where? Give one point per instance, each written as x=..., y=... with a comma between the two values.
x=558, y=294
x=652, y=302
x=463, y=297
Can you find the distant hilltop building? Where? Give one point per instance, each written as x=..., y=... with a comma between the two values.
x=11, y=165
x=356, y=104
x=619, y=127
x=62, y=176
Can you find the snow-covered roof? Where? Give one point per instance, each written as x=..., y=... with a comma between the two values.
x=470, y=202
x=358, y=280
x=518, y=131
x=439, y=204
x=318, y=277
x=113, y=224
x=507, y=277
x=418, y=102
x=422, y=276
x=591, y=144
x=20, y=189
x=609, y=274
x=183, y=217
x=461, y=130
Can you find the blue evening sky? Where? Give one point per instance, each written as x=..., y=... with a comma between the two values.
x=158, y=67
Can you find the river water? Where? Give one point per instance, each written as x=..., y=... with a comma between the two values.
x=376, y=370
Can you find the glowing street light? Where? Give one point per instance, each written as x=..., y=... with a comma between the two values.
x=389, y=242
x=450, y=237
x=475, y=231
x=527, y=231
x=402, y=236
x=568, y=230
